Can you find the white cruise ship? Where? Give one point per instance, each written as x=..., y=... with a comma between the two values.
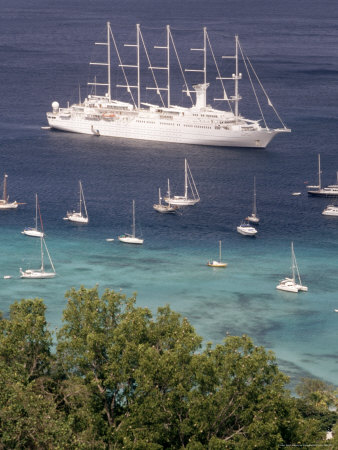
x=198, y=124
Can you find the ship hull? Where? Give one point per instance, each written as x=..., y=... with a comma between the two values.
x=166, y=132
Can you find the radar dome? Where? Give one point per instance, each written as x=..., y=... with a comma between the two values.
x=55, y=105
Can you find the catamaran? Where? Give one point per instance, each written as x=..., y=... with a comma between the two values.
x=253, y=218
x=189, y=184
x=4, y=203
x=292, y=284
x=35, y=232
x=79, y=216
x=131, y=238
x=218, y=263
x=199, y=123
x=40, y=273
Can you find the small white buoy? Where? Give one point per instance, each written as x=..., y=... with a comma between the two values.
x=110, y=240
x=296, y=193
x=7, y=277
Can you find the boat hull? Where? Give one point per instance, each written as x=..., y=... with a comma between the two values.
x=12, y=205
x=161, y=132
x=77, y=218
x=165, y=209
x=247, y=232
x=323, y=193
x=216, y=264
x=33, y=233
x=32, y=274
x=287, y=287
x=130, y=240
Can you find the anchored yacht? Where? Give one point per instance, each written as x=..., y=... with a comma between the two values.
x=200, y=123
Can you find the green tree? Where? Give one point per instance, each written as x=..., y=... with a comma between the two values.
x=25, y=341
x=318, y=400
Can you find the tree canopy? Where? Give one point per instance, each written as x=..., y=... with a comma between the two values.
x=118, y=376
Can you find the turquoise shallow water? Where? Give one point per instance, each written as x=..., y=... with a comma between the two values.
x=170, y=268
x=294, y=49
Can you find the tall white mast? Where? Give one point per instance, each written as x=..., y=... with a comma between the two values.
x=185, y=179
x=254, y=204
x=4, y=196
x=168, y=64
x=133, y=227
x=107, y=64
x=42, y=265
x=319, y=173
x=137, y=66
x=204, y=50
x=236, y=78
x=108, y=61
x=36, y=211
x=167, y=68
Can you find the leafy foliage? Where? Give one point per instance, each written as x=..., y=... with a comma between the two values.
x=124, y=378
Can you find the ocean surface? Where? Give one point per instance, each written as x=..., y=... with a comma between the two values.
x=45, y=50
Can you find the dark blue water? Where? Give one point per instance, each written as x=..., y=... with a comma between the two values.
x=45, y=49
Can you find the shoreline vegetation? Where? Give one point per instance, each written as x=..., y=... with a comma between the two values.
x=116, y=376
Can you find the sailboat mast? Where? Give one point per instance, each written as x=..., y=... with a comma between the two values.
x=254, y=204
x=168, y=63
x=138, y=65
x=133, y=229
x=319, y=173
x=185, y=179
x=293, y=262
x=36, y=211
x=4, y=196
x=108, y=62
x=220, y=251
x=236, y=79
x=42, y=266
x=80, y=197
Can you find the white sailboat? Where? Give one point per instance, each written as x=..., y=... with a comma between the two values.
x=131, y=238
x=35, y=232
x=160, y=207
x=40, y=273
x=4, y=203
x=218, y=263
x=189, y=183
x=79, y=216
x=293, y=284
x=330, y=191
x=253, y=218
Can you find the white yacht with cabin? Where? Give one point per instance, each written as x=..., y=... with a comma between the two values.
x=330, y=210
x=246, y=229
x=199, y=123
